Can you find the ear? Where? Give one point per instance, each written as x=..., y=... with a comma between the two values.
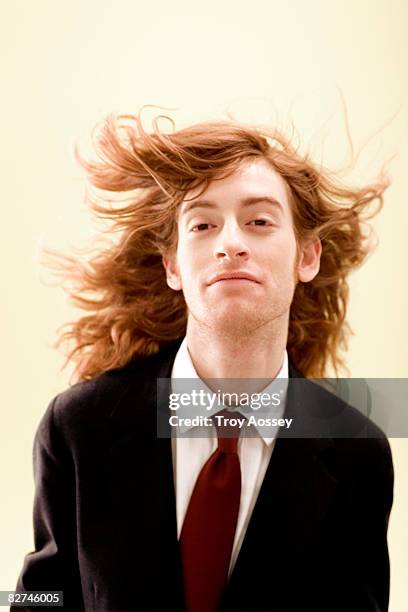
x=172, y=271
x=309, y=260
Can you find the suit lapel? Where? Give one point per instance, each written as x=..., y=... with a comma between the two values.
x=292, y=502
x=141, y=480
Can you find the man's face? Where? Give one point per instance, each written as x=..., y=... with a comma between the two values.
x=236, y=258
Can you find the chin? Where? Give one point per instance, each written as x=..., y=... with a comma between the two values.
x=237, y=321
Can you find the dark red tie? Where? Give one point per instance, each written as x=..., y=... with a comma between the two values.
x=208, y=530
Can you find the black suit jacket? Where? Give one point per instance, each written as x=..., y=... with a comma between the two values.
x=105, y=513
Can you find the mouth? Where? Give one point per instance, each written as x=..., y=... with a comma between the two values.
x=234, y=277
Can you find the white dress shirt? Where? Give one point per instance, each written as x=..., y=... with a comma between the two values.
x=254, y=450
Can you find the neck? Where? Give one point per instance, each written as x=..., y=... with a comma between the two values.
x=258, y=354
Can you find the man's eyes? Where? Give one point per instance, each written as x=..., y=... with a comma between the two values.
x=261, y=222
x=202, y=227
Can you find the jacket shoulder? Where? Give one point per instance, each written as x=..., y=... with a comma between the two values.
x=356, y=443
x=90, y=403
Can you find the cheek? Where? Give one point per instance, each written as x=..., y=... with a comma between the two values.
x=283, y=252
x=188, y=266
x=190, y=257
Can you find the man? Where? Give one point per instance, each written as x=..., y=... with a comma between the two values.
x=232, y=263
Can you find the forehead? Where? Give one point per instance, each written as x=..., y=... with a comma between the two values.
x=253, y=179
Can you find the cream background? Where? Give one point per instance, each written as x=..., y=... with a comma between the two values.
x=67, y=64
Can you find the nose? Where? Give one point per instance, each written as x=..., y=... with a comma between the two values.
x=231, y=243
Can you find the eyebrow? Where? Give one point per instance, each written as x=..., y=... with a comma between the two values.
x=249, y=201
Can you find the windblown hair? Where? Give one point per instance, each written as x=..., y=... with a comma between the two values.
x=141, y=179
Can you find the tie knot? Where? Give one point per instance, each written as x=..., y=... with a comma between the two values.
x=228, y=430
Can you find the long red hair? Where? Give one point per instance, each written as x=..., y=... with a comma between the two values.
x=130, y=309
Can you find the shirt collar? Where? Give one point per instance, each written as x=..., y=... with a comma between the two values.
x=183, y=367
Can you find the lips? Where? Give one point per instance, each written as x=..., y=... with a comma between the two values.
x=237, y=275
